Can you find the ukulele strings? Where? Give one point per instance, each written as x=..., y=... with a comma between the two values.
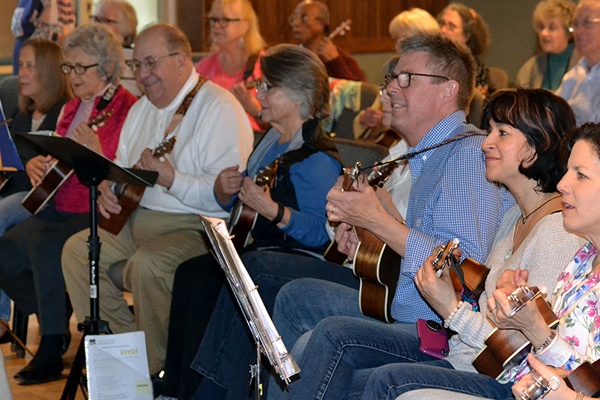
x=410, y=155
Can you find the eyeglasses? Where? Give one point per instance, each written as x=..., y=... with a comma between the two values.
x=585, y=24
x=149, y=62
x=404, y=78
x=103, y=20
x=222, y=22
x=262, y=86
x=78, y=68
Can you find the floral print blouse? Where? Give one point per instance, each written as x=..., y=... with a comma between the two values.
x=575, y=301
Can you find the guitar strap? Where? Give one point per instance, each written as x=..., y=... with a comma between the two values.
x=183, y=107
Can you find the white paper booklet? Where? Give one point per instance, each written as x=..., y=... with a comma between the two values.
x=117, y=367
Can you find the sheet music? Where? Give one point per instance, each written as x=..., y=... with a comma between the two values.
x=248, y=297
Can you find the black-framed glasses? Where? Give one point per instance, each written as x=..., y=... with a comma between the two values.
x=103, y=20
x=78, y=68
x=585, y=24
x=222, y=22
x=149, y=62
x=403, y=78
x=262, y=86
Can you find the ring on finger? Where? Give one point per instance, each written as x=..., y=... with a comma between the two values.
x=333, y=209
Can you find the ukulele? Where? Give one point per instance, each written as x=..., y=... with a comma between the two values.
x=243, y=218
x=376, y=179
x=468, y=273
x=341, y=29
x=375, y=264
x=506, y=348
x=56, y=175
x=586, y=379
x=130, y=195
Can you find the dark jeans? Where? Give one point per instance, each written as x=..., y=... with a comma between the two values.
x=30, y=266
x=196, y=287
x=228, y=347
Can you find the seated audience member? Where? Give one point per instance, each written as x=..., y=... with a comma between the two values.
x=236, y=44
x=466, y=26
x=523, y=154
x=291, y=215
x=581, y=85
x=120, y=17
x=212, y=134
x=551, y=21
x=310, y=23
x=43, y=90
x=444, y=73
x=407, y=23
x=30, y=270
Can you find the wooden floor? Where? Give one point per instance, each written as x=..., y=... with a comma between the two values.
x=46, y=391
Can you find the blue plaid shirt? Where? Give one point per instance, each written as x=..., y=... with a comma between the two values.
x=452, y=200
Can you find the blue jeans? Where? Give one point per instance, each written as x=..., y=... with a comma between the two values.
x=392, y=380
x=11, y=213
x=228, y=348
x=356, y=358
x=306, y=304
x=302, y=303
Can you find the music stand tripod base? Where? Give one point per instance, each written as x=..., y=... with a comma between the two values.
x=91, y=169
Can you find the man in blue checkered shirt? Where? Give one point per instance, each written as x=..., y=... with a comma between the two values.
x=449, y=198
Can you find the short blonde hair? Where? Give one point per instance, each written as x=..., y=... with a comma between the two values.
x=549, y=9
x=412, y=22
x=253, y=40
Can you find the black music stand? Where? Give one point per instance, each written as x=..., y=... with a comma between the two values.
x=91, y=169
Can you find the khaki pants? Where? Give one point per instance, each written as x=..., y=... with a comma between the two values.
x=154, y=244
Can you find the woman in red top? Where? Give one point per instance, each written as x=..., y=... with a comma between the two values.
x=30, y=267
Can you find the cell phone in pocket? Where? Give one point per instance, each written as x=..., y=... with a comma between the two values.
x=433, y=338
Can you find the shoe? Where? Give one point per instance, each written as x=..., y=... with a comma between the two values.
x=6, y=337
x=32, y=375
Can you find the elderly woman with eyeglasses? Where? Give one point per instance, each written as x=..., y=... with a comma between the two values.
x=294, y=96
x=236, y=45
x=30, y=252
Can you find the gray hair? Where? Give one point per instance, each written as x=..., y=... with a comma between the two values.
x=301, y=74
x=101, y=43
x=127, y=19
x=447, y=58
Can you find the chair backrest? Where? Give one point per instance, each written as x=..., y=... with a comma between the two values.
x=352, y=151
x=475, y=111
x=498, y=78
x=9, y=95
x=343, y=125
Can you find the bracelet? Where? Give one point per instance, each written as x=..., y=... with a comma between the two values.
x=279, y=215
x=452, y=314
x=549, y=340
